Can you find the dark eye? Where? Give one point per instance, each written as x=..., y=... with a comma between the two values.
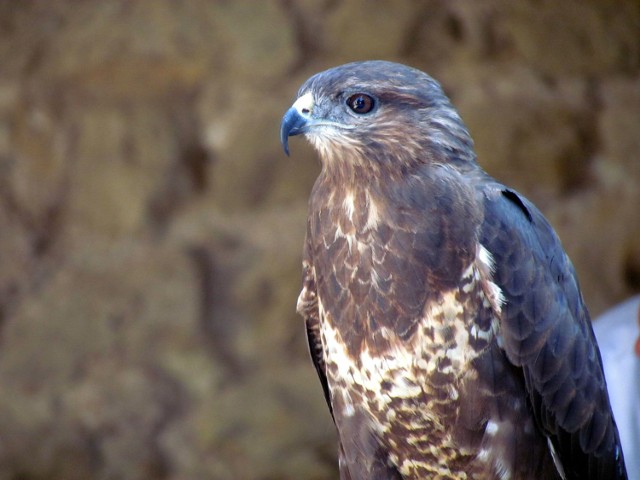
x=360, y=103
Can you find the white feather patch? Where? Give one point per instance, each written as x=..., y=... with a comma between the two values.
x=487, y=268
x=556, y=459
x=373, y=217
x=349, y=205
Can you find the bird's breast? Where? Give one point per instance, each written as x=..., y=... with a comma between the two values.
x=410, y=387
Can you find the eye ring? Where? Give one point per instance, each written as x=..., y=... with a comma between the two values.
x=361, y=103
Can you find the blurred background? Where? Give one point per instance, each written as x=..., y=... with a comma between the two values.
x=151, y=227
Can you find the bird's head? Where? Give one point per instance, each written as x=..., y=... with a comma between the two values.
x=377, y=114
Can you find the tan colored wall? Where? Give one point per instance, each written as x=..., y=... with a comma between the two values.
x=151, y=227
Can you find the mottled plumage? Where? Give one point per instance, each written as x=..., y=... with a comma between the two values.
x=443, y=316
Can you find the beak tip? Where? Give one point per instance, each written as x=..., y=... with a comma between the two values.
x=284, y=141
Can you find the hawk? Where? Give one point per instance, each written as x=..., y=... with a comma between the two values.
x=443, y=316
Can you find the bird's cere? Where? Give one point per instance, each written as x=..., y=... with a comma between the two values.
x=304, y=104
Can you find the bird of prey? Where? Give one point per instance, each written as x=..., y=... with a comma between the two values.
x=443, y=316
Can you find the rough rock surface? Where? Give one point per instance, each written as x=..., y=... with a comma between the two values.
x=151, y=228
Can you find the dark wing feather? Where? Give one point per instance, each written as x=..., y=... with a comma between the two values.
x=547, y=332
x=315, y=349
x=308, y=308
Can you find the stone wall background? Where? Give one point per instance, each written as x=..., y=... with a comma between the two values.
x=151, y=227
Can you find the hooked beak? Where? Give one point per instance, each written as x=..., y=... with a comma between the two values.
x=297, y=120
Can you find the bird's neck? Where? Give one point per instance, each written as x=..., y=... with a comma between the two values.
x=353, y=202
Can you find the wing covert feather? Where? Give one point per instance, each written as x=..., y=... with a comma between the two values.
x=546, y=330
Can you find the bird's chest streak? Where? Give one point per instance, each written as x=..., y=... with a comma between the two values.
x=378, y=269
x=377, y=266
